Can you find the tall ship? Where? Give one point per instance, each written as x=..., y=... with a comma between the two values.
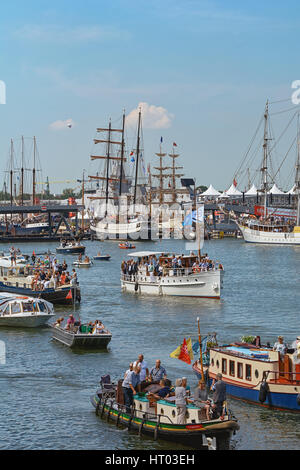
x=269, y=229
x=120, y=194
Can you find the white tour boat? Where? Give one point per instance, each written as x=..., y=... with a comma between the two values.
x=190, y=279
x=21, y=311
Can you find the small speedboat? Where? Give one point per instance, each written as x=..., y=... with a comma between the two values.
x=126, y=246
x=23, y=311
x=82, y=264
x=102, y=257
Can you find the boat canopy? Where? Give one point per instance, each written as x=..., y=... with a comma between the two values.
x=141, y=254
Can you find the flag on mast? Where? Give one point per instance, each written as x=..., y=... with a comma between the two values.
x=184, y=352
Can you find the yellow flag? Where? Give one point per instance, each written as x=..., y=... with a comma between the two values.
x=177, y=351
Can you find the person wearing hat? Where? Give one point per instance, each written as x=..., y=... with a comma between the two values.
x=280, y=346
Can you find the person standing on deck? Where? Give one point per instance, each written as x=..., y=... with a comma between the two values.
x=180, y=401
x=219, y=395
x=129, y=384
x=158, y=372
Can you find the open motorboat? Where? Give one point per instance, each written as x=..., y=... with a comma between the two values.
x=126, y=246
x=102, y=257
x=82, y=264
x=81, y=336
x=21, y=311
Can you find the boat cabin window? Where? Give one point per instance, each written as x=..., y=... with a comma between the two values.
x=232, y=368
x=6, y=310
x=224, y=366
x=248, y=372
x=240, y=370
x=15, y=307
x=27, y=306
x=42, y=307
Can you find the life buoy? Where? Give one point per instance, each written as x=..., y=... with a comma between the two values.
x=263, y=392
x=196, y=269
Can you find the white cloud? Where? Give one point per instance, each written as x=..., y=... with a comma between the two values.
x=59, y=125
x=153, y=117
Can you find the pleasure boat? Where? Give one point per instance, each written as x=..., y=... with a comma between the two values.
x=22, y=311
x=70, y=248
x=193, y=278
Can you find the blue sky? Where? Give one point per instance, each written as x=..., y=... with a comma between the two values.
x=204, y=68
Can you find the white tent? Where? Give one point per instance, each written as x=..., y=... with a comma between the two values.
x=232, y=191
x=252, y=191
x=211, y=191
x=292, y=190
x=276, y=191
x=224, y=194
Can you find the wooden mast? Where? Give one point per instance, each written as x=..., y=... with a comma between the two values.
x=264, y=168
x=22, y=176
x=122, y=154
x=200, y=346
x=82, y=212
x=107, y=168
x=137, y=158
x=33, y=171
x=11, y=170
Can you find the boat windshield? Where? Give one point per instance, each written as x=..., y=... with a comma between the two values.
x=43, y=307
x=28, y=307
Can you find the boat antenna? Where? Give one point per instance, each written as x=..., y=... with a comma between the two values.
x=200, y=345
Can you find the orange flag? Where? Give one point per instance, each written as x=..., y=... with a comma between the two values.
x=184, y=353
x=69, y=296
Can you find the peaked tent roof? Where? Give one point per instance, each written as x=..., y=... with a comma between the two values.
x=232, y=191
x=224, y=194
x=274, y=190
x=211, y=191
x=292, y=190
x=252, y=191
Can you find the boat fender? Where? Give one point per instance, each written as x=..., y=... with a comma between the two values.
x=136, y=286
x=298, y=399
x=263, y=392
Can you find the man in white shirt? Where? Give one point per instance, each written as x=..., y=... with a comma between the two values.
x=144, y=367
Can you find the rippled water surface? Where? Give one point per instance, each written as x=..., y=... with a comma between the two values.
x=45, y=387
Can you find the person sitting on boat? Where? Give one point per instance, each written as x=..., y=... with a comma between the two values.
x=62, y=278
x=98, y=328
x=79, y=258
x=280, y=346
x=161, y=394
x=58, y=322
x=70, y=322
x=201, y=398
x=219, y=396
x=86, y=260
x=157, y=372
x=129, y=387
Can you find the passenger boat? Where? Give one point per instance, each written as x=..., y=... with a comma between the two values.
x=102, y=257
x=187, y=281
x=159, y=420
x=126, y=246
x=82, y=338
x=21, y=311
x=256, y=374
x=70, y=248
x=17, y=280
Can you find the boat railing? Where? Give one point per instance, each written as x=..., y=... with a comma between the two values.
x=145, y=275
x=279, y=376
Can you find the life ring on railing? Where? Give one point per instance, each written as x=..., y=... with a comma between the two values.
x=196, y=269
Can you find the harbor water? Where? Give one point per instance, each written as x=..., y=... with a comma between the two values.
x=46, y=387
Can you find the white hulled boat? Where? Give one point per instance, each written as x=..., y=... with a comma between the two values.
x=269, y=230
x=21, y=311
x=189, y=279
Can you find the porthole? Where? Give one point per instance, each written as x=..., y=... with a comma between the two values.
x=256, y=373
x=212, y=362
x=141, y=406
x=173, y=413
x=161, y=411
x=217, y=364
x=187, y=415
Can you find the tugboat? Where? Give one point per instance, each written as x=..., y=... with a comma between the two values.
x=159, y=420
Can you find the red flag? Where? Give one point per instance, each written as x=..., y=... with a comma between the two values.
x=131, y=153
x=234, y=182
x=69, y=296
x=174, y=144
x=184, y=353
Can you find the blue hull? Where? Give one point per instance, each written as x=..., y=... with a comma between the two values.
x=281, y=401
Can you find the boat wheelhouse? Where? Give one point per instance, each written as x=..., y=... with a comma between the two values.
x=158, y=274
x=20, y=311
x=256, y=374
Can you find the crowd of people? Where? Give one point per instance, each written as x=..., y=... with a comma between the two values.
x=161, y=266
x=138, y=378
x=44, y=273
